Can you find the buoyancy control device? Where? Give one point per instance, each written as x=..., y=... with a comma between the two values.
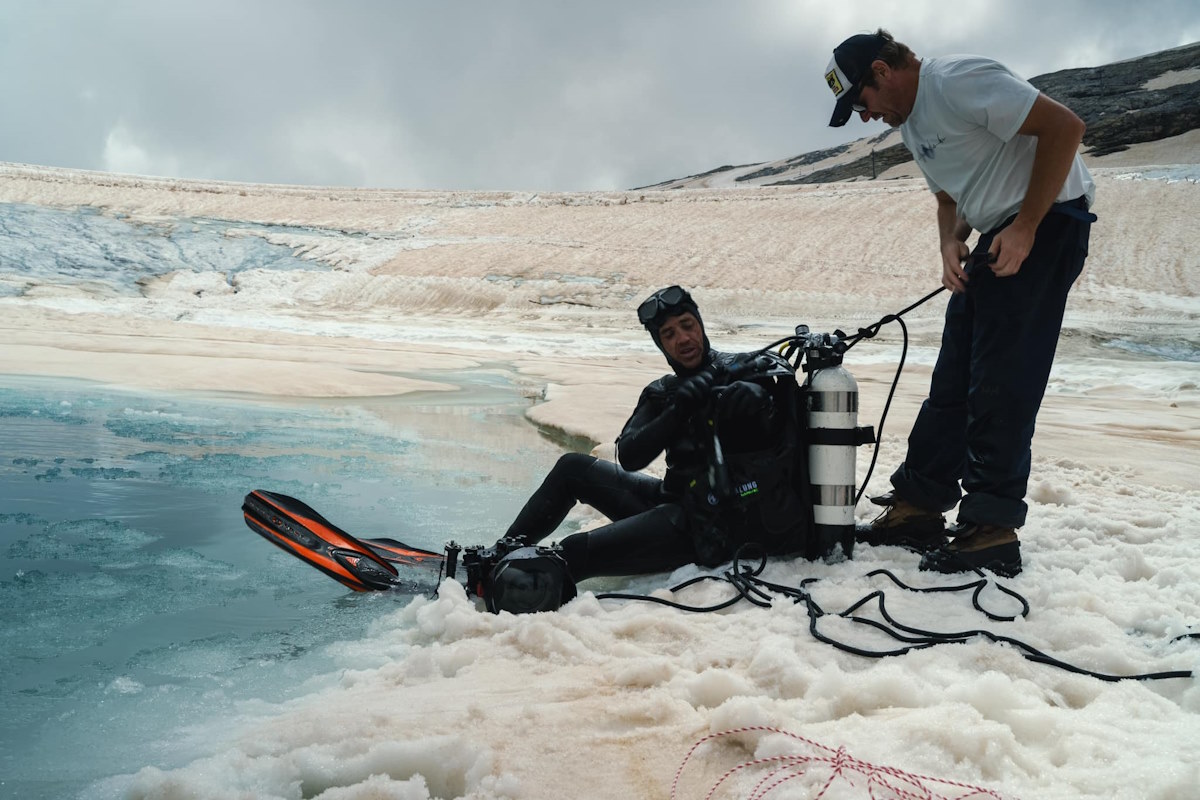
x=796, y=496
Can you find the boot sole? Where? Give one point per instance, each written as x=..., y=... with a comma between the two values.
x=950, y=562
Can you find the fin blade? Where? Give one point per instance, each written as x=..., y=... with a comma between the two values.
x=317, y=559
x=304, y=515
x=295, y=527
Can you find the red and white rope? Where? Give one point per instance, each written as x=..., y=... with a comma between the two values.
x=895, y=783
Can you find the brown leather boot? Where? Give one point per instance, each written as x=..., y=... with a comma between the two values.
x=903, y=524
x=977, y=546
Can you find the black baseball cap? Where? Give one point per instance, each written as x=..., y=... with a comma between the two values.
x=851, y=61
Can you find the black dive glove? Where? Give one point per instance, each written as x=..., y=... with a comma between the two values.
x=743, y=399
x=692, y=393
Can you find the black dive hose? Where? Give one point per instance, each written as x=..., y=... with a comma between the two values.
x=750, y=587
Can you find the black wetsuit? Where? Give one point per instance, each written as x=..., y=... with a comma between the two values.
x=659, y=525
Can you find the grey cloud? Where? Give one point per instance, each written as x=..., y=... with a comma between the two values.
x=534, y=95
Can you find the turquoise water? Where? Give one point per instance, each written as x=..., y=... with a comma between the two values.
x=138, y=608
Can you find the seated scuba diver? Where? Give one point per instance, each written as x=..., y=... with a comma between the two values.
x=726, y=424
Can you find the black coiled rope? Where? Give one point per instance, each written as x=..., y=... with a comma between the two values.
x=749, y=586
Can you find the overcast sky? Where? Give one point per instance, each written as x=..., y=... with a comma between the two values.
x=487, y=94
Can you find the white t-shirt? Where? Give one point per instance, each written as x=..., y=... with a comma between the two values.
x=963, y=134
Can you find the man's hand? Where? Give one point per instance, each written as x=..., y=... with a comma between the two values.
x=953, y=232
x=954, y=277
x=692, y=393
x=743, y=399
x=1011, y=247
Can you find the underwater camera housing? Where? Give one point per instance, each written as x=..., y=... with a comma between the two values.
x=513, y=576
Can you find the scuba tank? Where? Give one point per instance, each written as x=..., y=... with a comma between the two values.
x=831, y=401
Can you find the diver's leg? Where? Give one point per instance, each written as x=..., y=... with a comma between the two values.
x=656, y=540
x=576, y=477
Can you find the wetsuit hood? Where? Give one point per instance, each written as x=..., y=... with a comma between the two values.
x=706, y=357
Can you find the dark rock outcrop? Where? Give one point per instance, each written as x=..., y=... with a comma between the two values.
x=1118, y=110
x=866, y=167
x=797, y=161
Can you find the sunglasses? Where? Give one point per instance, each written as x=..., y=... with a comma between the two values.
x=660, y=301
x=857, y=106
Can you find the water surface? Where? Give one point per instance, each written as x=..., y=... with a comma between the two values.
x=138, y=608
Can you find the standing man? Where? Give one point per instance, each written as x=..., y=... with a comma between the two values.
x=1001, y=158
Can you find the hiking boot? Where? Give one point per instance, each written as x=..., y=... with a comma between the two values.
x=976, y=546
x=903, y=524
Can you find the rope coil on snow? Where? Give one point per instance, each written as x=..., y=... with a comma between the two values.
x=749, y=586
x=901, y=784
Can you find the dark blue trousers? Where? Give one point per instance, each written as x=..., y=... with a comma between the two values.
x=998, y=344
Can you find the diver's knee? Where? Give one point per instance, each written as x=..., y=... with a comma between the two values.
x=675, y=515
x=573, y=465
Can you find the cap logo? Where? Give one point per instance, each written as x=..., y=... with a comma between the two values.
x=832, y=79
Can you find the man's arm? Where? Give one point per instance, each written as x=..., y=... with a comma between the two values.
x=646, y=434
x=1059, y=132
x=952, y=233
